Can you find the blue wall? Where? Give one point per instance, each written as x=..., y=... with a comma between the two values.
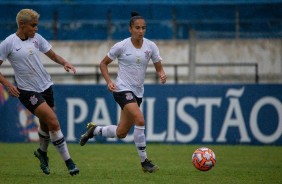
x=89, y=20
x=179, y=114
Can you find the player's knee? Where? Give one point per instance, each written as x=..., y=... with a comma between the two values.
x=121, y=135
x=53, y=123
x=139, y=122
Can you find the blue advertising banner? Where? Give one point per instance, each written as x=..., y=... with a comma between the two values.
x=181, y=114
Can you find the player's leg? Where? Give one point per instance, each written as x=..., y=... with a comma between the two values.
x=111, y=131
x=46, y=114
x=133, y=114
x=44, y=138
x=43, y=130
x=124, y=125
x=41, y=152
x=31, y=100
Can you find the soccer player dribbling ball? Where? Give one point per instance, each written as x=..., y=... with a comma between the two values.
x=34, y=85
x=133, y=55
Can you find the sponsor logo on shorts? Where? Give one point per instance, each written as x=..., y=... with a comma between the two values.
x=33, y=100
x=128, y=96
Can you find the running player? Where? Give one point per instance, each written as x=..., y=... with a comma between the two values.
x=133, y=55
x=33, y=84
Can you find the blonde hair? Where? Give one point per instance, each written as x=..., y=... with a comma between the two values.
x=26, y=15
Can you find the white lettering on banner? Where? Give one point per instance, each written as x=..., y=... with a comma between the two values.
x=187, y=119
x=238, y=121
x=101, y=114
x=176, y=109
x=71, y=120
x=150, y=102
x=254, y=123
x=171, y=120
x=208, y=103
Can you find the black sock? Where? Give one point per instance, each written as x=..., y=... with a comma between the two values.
x=42, y=152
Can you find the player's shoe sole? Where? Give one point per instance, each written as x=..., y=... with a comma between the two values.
x=88, y=134
x=43, y=162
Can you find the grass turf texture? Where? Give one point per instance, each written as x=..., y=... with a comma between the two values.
x=119, y=163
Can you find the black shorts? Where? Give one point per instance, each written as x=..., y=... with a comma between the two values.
x=125, y=97
x=31, y=99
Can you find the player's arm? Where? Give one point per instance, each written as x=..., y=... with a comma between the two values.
x=160, y=71
x=104, y=70
x=12, y=90
x=58, y=59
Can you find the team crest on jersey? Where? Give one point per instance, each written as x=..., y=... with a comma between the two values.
x=33, y=100
x=147, y=54
x=138, y=59
x=30, y=51
x=35, y=42
x=128, y=96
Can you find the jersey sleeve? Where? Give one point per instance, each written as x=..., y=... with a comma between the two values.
x=4, y=50
x=44, y=45
x=155, y=53
x=115, y=51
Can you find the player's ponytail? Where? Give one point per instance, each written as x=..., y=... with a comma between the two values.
x=134, y=16
x=134, y=13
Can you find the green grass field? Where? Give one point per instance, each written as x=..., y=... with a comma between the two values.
x=119, y=163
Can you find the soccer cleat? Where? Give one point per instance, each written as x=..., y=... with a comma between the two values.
x=88, y=134
x=71, y=167
x=148, y=166
x=43, y=161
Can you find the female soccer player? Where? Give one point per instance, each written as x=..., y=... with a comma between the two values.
x=34, y=85
x=133, y=54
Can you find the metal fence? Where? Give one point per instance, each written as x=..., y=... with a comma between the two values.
x=176, y=73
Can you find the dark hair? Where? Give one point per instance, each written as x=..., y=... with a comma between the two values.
x=134, y=16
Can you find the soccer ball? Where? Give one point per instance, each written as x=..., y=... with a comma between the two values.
x=203, y=159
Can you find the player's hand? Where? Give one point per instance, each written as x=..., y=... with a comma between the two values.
x=111, y=86
x=13, y=90
x=69, y=67
x=162, y=77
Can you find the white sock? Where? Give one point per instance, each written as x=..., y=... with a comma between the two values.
x=106, y=131
x=59, y=142
x=44, y=140
x=140, y=142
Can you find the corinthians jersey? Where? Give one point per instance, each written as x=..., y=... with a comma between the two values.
x=24, y=57
x=133, y=63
